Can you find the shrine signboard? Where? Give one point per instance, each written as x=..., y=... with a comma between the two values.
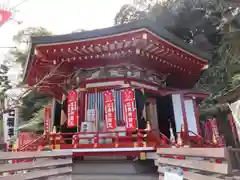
x=72, y=120
x=129, y=108
x=47, y=119
x=109, y=109
x=11, y=124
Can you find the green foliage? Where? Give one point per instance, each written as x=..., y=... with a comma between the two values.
x=31, y=104
x=5, y=85
x=34, y=101
x=36, y=122
x=211, y=25
x=22, y=39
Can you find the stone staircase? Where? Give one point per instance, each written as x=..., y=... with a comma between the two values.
x=105, y=167
x=114, y=168
x=115, y=177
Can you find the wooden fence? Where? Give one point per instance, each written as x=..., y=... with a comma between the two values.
x=197, y=163
x=40, y=165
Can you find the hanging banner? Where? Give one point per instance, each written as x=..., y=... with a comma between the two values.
x=129, y=108
x=109, y=109
x=47, y=119
x=4, y=16
x=72, y=120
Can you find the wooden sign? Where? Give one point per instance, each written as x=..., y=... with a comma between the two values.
x=72, y=120
x=109, y=109
x=129, y=108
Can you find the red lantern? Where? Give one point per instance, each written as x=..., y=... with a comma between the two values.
x=4, y=16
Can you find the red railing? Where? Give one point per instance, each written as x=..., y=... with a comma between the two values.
x=34, y=144
x=201, y=142
x=134, y=138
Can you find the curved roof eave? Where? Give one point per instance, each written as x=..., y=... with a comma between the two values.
x=140, y=24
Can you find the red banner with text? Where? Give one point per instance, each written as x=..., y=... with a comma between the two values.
x=47, y=119
x=129, y=108
x=72, y=109
x=109, y=109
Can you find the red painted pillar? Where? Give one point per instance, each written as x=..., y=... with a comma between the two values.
x=81, y=111
x=185, y=138
x=196, y=113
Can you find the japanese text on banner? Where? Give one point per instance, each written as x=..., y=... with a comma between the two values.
x=47, y=119
x=109, y=109
x=72, y=109
x=130, y=113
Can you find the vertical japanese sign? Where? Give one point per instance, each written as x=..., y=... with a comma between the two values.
x=47, y=119
x=10, y=122
x=129, y=108
x=109, y=109
x=11, y=130
x=72, y=109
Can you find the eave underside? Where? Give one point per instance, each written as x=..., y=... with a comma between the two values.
x=54, y=64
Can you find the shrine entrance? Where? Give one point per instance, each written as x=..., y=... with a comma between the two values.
x=159, y=110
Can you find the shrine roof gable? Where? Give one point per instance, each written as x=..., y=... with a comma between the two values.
x=136, y=25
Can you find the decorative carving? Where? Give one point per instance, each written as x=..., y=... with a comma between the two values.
x=121, y=71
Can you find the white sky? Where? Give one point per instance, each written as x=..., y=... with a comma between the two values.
x=59, y=16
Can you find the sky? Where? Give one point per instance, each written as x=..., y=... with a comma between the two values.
x=59, y=17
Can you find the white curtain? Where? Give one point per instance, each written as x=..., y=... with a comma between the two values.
x=235, y=108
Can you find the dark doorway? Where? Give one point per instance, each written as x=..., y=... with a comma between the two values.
x=165, y=115
x=57, y=114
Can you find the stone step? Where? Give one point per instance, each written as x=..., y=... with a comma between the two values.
x=114, y=167
x=114, y=177
x=100, y=158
